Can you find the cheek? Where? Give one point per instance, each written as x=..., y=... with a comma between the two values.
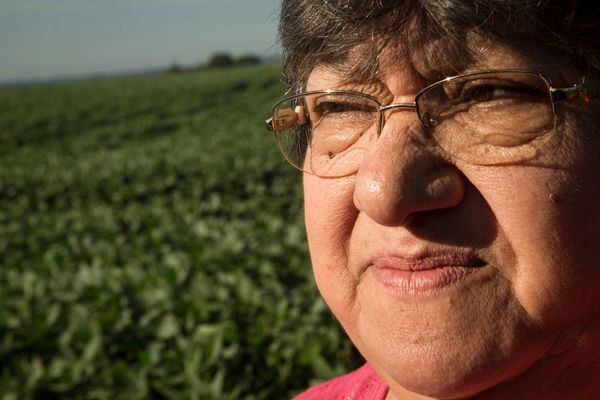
x=548, y=218
x=330, y=215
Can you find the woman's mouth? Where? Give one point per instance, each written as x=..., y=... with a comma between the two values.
x=423, y=275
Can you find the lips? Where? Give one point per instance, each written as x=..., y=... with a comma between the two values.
x=425, y=273
x=426, y=262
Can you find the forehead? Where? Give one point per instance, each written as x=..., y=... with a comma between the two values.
x=434, y=61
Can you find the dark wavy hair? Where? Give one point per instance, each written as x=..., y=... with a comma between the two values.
x=325, y=31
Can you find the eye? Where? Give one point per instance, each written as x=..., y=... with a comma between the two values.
x=343, y=106
x=332, y=106
x=338, y=124
x=493, y=90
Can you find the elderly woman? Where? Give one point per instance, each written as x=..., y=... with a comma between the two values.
x=450, y=153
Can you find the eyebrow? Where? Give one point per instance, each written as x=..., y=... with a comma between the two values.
x=364, y=72
x=432, y=63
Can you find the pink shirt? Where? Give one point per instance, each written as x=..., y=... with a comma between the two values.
x=357, y=385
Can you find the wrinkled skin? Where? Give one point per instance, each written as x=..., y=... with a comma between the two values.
x=524, y=321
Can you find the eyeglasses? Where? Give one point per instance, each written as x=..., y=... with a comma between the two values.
x=485, y=117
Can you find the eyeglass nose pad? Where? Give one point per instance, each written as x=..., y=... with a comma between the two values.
x=286, y=118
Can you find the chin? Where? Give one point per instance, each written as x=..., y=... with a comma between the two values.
x=449, y=368
x=446, y=347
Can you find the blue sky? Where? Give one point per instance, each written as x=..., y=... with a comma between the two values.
x=42, y=39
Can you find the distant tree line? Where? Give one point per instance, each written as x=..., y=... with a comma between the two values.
x=220, y=60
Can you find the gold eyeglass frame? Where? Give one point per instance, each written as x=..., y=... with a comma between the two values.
x=587, y=89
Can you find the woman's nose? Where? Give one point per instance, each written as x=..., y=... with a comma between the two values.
x=405, y=173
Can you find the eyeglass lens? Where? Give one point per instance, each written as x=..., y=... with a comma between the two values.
x=482, y=118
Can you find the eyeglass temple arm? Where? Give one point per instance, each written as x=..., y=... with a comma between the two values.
x=588, y=89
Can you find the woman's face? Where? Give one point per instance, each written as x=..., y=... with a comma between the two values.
x=450, y=277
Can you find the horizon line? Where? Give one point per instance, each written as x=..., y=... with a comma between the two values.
x=81, y=76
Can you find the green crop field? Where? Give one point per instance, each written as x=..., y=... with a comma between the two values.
x=152, y=244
